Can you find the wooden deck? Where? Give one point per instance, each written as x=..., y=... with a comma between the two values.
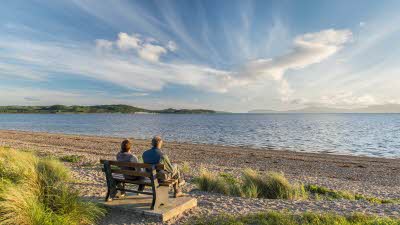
x=141, y=204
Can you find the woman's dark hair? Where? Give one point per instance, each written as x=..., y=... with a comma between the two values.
x=126, y=145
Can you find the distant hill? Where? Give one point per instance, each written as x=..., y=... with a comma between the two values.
x=95, y=109
x=263, y=111
x=186, y=111
x=387, y=108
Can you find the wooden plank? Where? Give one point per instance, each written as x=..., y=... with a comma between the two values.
x=145, y=182
x=140, y=204
x=160, y=167
x=133, y=165
x=134, y=191
x=131, y=173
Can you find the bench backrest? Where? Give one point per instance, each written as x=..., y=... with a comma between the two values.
x=117, y=167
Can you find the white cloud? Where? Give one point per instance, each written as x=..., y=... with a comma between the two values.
x=151, y=52
x=345, y=99
x=348, y=99
x=172, y=46
x=102, y=44
x=144, y=47
x=31, y=96
x=126, y=42
x=308, y=49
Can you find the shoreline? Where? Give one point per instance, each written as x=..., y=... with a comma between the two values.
x=326, y=153
x=370, y=176
x=216, y=157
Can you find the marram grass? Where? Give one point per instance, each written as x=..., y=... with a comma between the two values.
x=272, y=185
x=279, y=218
x=36, y=191
x=71, y=158
x=251, y=184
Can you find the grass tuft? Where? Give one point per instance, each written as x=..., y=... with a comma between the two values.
x=321, y=192
x=273, y=218
x=251, y=184
x=185, y=168
x=272, y=185
x=209, y=182
x=71, y=158
x=36, y=191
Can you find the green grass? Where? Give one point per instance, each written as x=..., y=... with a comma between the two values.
x=324, y=192
x=185, y=168
x=278, y=218
x=71, y=158
x=272, y=185
x=37, y=191
x=250, y=184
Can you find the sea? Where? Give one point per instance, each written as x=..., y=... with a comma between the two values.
x=376, y=135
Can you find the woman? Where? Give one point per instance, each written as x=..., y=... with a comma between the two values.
x=125, y=155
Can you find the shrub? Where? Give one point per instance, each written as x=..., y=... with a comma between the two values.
x=273, y=218
x=37, y=192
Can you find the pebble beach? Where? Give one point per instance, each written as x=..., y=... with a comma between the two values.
x=375, y=177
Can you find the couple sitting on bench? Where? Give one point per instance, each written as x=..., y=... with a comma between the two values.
x=152, y=156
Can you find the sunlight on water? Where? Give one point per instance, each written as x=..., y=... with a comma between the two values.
x=354, y=134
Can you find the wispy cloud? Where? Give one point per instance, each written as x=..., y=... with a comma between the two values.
x=116, y=62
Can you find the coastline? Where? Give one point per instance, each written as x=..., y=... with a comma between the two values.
x=371, y=176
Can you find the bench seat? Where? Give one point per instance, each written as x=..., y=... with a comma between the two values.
x=115, y=171
x=146, y=182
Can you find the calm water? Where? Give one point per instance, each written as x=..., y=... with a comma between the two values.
x=354, y=134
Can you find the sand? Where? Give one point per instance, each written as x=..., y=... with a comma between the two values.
x=377, y=177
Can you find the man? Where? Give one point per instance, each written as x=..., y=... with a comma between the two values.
x=156, y=156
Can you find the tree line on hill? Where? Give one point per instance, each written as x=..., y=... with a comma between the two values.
x=96, y=109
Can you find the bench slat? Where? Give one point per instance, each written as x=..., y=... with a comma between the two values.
x=133, y=165
x=145, y=182
x=131, y=173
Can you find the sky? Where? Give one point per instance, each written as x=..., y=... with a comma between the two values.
x=224, y=55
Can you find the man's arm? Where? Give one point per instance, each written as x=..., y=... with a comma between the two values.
x=167, y=163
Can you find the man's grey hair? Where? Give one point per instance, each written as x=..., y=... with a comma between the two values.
x=156, y=140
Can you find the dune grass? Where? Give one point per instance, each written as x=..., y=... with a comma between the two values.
x=71, y=158
x=251, y=184
x=272, y=185
x=274, y=218
x=36, y=191
x=326, y=193
x=185, y=168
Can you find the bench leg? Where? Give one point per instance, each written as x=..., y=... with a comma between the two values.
x=108, y=199
x=141, y=187
x=111, y=191
x=160, y=197
x=122, y=193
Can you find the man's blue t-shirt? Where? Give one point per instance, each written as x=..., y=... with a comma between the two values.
x=155, y=156
x=152, y=156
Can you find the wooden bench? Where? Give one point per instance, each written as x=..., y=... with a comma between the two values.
x=116, y=180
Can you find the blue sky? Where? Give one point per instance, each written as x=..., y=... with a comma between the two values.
x=224, y=55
